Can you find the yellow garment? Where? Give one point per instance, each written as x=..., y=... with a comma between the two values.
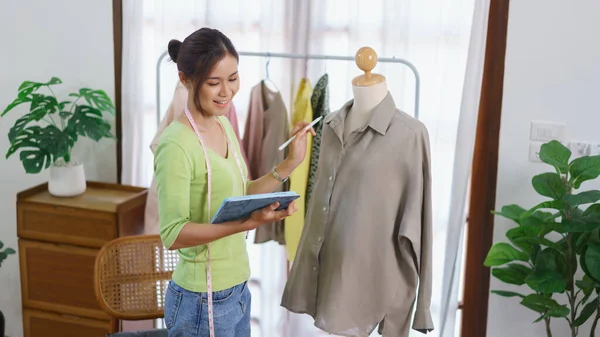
x=302, y=112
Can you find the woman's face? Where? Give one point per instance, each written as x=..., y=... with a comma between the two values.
x=219, y=88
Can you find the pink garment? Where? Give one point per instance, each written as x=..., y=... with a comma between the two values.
x=266, y=128
x=253, y=132
x=176, y=109
x=233, y=120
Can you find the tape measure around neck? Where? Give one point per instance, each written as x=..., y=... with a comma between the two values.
x=209, y=195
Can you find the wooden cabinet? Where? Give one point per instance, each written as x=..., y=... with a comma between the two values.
x=37, y=323
x=58, y=242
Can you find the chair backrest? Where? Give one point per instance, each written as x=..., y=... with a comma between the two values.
x=131, y=276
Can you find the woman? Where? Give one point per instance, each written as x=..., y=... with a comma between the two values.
x=197, y=165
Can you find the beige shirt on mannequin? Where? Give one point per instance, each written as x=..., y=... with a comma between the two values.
x=365, y=252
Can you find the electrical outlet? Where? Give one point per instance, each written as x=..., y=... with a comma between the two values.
x=579, y=149
x=595, y=149
x=545, y=131
x=534, y=152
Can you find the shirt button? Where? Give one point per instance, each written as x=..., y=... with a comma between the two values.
x=314, y=267
x=324, y=209
x=330, y=178
x=319, y=239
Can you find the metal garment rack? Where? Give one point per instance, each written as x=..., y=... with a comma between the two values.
x=303, y=57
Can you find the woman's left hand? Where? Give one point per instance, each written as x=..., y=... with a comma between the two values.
x=297, y=149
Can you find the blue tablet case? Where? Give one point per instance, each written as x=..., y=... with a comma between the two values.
x=236, y=208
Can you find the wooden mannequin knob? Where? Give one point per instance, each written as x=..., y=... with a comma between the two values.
x=366, y=60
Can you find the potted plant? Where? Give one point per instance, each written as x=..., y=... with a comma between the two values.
x=3, y=255
x=554, y=242
x=46, y=134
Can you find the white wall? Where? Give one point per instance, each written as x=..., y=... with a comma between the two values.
x=69, y=39
x=552, y=74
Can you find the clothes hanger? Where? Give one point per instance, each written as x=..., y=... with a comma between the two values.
x=305, y=67
x=267, y=81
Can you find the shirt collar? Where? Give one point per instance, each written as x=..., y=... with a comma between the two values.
x=380, y=118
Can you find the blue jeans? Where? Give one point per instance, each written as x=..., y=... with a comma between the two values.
x=186, y=312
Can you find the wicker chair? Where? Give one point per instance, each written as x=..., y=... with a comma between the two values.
x=131, y=276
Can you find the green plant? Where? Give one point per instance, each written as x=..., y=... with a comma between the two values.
x=5, y=253
x=547, y=247
x=49, y=131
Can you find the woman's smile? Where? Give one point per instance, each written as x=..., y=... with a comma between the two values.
x=221, y=104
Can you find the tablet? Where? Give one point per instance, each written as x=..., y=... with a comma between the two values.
x=236, y=208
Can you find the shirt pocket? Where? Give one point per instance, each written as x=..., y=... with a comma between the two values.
x=226, y=306
x=223, y=295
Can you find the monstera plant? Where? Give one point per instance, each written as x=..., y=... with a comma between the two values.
x=5, y=252
x=45, y=134
x=554, y=248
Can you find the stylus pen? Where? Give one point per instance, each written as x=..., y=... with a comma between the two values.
x=284, y=145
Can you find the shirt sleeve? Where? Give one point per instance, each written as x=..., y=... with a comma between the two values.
x=173, y=178
x=415, y=226
x=422, y=321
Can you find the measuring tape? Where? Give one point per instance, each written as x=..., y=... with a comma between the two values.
x=209, y=170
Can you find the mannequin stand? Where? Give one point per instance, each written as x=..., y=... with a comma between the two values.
x=369, y=90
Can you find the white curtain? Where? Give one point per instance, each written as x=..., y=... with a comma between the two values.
x=133, y=117
x=434, y=35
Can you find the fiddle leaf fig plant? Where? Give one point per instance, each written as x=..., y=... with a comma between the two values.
x=47, y=133
x=553, y=251
x=4, y=253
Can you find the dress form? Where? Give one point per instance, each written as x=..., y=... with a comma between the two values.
x=369, y=90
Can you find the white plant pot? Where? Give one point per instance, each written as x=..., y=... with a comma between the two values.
x=67, y=180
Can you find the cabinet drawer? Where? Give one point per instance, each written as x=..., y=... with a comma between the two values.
x=38, y=323
x=59, y=278
x=66, y=225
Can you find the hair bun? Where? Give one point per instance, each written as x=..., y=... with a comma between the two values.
x=174, y=46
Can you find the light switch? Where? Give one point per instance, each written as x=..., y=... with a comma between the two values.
x=594, y=149
x=579, y=149
x=545, y=131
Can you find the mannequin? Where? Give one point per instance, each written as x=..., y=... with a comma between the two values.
x=364, y=258
x=369, y=90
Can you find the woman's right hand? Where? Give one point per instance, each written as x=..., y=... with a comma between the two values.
x=269, y=214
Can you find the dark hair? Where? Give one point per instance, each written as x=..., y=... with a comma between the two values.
x=198, y=54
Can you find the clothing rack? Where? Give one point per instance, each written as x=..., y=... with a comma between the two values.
x=303, y=57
